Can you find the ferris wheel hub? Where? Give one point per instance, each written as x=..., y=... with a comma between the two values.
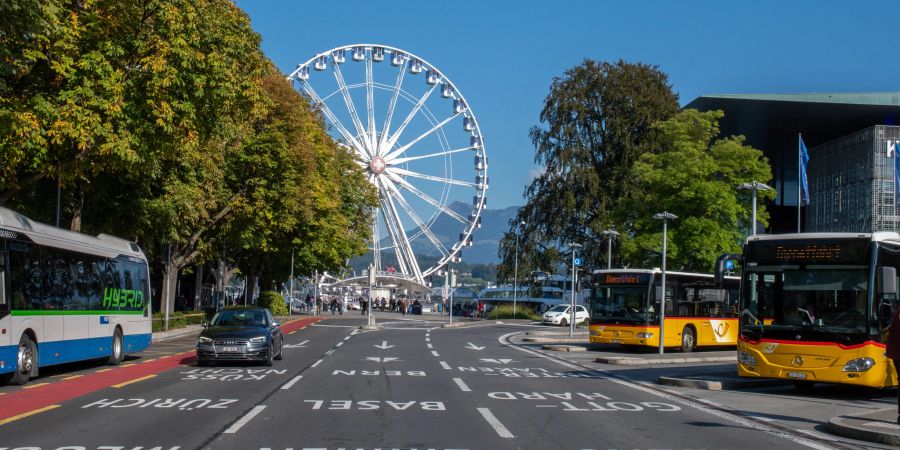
x=377, y=165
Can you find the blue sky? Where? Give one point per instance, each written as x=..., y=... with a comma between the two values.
x=504, y=55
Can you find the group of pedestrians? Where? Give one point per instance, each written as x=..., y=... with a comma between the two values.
x=402, y=305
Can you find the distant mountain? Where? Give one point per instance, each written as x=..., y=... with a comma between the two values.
x=485, y=240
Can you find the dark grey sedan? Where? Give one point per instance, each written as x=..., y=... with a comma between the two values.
x=240, y=334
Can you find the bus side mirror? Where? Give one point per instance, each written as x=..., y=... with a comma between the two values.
x=887, y=281
x=725, y=263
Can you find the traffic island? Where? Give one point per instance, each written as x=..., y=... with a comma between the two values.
x=669, y=358
x=719, y=381
x=879, y=426
x=565, y=348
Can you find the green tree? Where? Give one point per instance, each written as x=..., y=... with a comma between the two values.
x=596, y=121
x=695, y=177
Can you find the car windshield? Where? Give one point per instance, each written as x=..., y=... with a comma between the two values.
x=559, y=308
x=239, y=318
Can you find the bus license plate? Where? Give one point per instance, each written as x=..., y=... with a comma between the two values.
x=797, y=375
x=230, y=349
x=616, y=341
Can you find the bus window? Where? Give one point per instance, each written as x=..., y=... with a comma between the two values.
x=4, y=305
x=25, y=276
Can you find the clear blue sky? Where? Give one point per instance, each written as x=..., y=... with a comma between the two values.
x=503, y=55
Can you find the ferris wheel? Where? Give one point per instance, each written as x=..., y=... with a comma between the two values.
x=419, y=143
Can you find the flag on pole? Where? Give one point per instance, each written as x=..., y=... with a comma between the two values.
x=804, y=186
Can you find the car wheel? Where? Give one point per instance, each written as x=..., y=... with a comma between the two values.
x=563, y=322
x=26, y=358
x=688, y=340
x=117, y=353
x=280, y=354
x=270, y=355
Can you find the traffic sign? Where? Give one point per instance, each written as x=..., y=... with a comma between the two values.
x=577, y=261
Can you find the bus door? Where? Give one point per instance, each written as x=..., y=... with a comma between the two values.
x=5, y=338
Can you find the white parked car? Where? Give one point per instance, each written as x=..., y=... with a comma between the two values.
x=561, y=314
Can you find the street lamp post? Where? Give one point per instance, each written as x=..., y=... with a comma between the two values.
x=516, y=270
x=753, y=187
x=665, y=216
x=574, y=247
x=372, y=282
x=452, y=285
x=610, y=235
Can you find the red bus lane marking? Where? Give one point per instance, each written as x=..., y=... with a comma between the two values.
x=19, y=403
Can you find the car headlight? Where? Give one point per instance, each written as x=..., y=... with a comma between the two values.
x=859, y=365
x=746, y=359
x=204, y=340
x=258, y=340
x=644, y=335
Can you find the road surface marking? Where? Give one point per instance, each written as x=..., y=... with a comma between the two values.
x=146, y=361
x=462, y=385
x=303, y=327
x=29, y=413
x=427, y=339
x=546, y=406
x=32, y=386
x=339, y=344
x=329, y=352
x=316, y=363
x=734, y=418
x=493, y=422
x=292, y=382
x=247, y=418
x=429, y=345
x=102, y=370
x=435, y=353
x=823, y=436
x=292, y=332
x=347, y=338
x=127, y=365
x=133, y=381
x=72, y=377
x=445, y=365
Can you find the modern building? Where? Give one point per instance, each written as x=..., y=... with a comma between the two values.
x=773, y=122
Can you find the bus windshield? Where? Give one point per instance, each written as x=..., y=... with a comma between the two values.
x=817, y=298
x=623, y=304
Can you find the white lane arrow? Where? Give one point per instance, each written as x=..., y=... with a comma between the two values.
x=472, y=346
x=379, y=359
x=496, y=361
x=383, y=345
x=300, y=345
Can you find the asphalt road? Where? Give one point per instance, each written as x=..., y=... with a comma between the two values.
x=411, y=384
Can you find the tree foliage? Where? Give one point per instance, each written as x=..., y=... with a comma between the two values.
x=695, y=177
x=596, y=121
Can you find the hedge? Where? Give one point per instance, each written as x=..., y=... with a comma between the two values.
x=274, y=301
x=177, y=320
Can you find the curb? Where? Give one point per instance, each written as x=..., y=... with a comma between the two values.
x=629, y=361
x=175, y=334
x=564, y=348
x=462, y=324
x=560, y=340
x=840, y=427
x=712, y=385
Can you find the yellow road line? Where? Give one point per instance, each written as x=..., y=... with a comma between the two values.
x=72, y=377
x=292, y=332
x=32, y=386
x=133, y=381
x=154, y=359
x=127, y=365
x=29, y=413
x=103, y=370
x=302, y=328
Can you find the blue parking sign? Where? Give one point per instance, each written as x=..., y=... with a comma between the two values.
x=729, y=264
x=577, y=261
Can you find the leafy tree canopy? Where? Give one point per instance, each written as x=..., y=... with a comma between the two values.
x=695, y=177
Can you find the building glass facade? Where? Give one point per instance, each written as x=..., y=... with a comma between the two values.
x=852, y=183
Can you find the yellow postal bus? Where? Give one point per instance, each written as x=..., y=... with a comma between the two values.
x=814, y=307
x=699, y=311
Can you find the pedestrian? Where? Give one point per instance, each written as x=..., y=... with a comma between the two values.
x=403, y=306
x=893, y=349
x=333, y=305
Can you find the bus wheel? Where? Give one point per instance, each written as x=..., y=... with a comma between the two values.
x=688, y=340
x=118, y=353
x=26, y=358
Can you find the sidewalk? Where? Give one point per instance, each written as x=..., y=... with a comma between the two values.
x=879, y=426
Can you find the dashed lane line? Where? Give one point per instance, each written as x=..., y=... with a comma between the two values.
x=445, y=365
x=292, y=332
x=462, y=385
x=429, y=345
x=435, y=353
x=501, y=430
x=293, y=381
x=244, y=420
x=339, y=344
x=316, y=363
x=136, y=380
x=347, y=338
x=32, y=386
x=72, y=377
x=27, y=414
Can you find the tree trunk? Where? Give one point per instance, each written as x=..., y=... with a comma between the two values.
x=75, y=224
x=251, y=288
x=198, y=287
x=167, y=296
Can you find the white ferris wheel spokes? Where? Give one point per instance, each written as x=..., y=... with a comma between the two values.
x=412, y=140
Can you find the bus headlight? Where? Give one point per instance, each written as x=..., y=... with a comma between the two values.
x=644, y=335
x=859, y=365
x=746, y=359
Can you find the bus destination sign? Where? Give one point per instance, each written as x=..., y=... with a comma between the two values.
x=834, y=251
x=618, y=278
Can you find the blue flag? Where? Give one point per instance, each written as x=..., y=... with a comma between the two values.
x=892, y=151
x=804, y=186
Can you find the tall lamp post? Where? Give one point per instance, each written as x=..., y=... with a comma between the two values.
x=574, y=246
x=753, y=187
x=516, y=270
x=665, y=216
x=610, y=235
x=372, y=282
x=452, y=285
